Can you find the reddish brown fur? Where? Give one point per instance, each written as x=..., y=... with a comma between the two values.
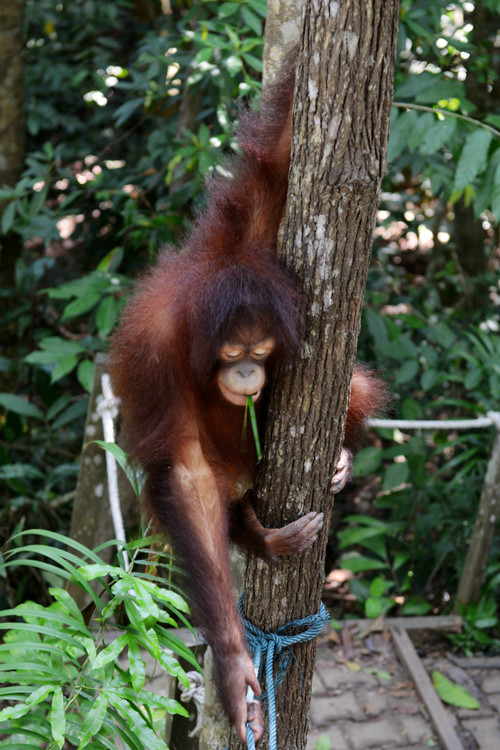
x=164, y=358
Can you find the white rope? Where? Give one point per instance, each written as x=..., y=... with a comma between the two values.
x=196, y=693
x=492, y=418
x=107, y=409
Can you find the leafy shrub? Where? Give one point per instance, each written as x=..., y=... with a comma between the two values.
x=430, y=481
x=124, y=128
x=62, y=682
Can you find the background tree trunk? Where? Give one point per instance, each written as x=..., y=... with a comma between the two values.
x=11, y=91
x=342, y=109
x=12, y=146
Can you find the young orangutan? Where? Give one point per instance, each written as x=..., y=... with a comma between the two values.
x=204, y=330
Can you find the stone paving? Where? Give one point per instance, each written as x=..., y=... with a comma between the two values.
x=363, y=699
x=367, y=700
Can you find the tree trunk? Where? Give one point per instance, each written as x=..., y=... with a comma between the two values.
x=283, y=24
x=342, y=109
x=11, y=91
x=12, y=143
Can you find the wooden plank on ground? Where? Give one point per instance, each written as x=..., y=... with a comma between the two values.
x=440, y=719
x=475, y=662
x=450, y=623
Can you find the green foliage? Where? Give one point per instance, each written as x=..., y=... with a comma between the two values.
x=451, y=693
x=443, y=129
x=430, y=482
x=478, y=621
x=64, y=681
x=323, y=743
x=124, y=128
x=119, y=105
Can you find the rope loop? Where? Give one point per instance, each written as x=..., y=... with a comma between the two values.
x=266, y=646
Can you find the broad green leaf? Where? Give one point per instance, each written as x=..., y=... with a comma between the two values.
x=378, y=587
x=412, y=85
x=93, y=721
x=323, y=743
x=362, y=518
x=415, y=607
x=411, y=409
x=358, y=563
x=66, y=600
x=14, y=712
x=367, y=461
x=137, y=666
x=253, y=62
x=42, y=358
x=251, y=20
x=169, y=597
x=93, y=283
x=495, y=197
x=174, y=644
x=33, y=613
x=373, y=607
x=127, y=109
x=20, y=406
x=57, y=717
x=227, y=9
x=8, y=217
x=136, y=479
x=438, y=135
x=440, y=90
x=473, y=378
x=135, y=721
x=60, y=346
x=233, y=64
x=144, y=601
x=472, y=160
x=357, y=535
x=97, y=570
x=106, y=315
x=111, y=652
x=451, y=693
x=422, y=124
x=431, y=378
x=442, y=334
x=20, y=471
x=64, y=366
x=395, y=475
x=407, y=372
x=85, y=374
x=39, y=695
x=81, y=305
x=88, y=645
x=398, y=136
x=73, y=412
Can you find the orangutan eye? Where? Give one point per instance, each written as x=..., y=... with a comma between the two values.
x=264, y=349
x=230, y=353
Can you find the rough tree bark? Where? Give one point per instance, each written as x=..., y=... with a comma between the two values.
x=342, y=109
x=12, y=142
x=283, y=24
x=11, y=91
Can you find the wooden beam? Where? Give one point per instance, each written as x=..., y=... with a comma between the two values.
x=441, y=720
x=450, y=623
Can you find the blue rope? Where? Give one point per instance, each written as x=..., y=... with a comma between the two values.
x=270, y=645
